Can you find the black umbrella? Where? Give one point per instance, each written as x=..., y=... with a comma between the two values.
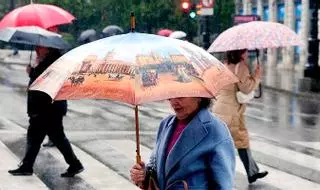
x=33, y=35
x=87, y=36
x=112, y=30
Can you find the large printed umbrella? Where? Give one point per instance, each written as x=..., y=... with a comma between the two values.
x=33, y=35
x=42, y=15
x=134, y=68
x=255, y=35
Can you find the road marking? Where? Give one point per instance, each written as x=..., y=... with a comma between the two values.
x=280, y=179
x=287, y=155
x=258, y=117
x=7, y=181
x=11, y=125
x=128, y=147
x=314, y=145
x=96, y=174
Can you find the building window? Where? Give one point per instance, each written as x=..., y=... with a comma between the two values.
x=297, y=7
x=297, y=27
x=254, y=11
x=266, y=13
x=281, y=13
x=241, y=11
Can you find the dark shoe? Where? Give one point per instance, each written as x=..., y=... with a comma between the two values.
x=73, y=170
x=48, y=144
x=257, y=176
x=22, y=170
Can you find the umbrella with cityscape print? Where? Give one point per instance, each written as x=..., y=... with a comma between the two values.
x=134, y=68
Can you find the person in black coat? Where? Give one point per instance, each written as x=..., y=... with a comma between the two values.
x=46, y=118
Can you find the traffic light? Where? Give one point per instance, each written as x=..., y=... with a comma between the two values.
x=185, y=6
x=193, y=11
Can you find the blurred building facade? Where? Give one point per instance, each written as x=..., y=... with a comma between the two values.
x=293, y=13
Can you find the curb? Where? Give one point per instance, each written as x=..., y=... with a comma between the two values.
x=310, y=95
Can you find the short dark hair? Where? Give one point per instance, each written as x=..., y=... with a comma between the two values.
x=234, y=56
x=205, y=103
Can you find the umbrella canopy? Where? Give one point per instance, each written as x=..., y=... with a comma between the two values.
x=164, y=32
x=178, y=34
x=112, y=30
x=33, y=35
x=135, y=68
x=42, y=15
x=87, y=36
x=255, y=35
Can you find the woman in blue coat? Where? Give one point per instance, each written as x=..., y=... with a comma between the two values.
x=193, y=148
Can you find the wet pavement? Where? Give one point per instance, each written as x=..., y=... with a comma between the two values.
x=279, y=123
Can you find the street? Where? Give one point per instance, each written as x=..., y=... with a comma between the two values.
x=284, y=134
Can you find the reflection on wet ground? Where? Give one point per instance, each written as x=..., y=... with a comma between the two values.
x=287, y=115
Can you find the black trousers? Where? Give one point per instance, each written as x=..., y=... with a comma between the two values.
x=51, y=125
x=248, y=162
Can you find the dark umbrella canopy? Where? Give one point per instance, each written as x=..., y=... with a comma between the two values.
x=33, y=35
x=112, y=30
x=87, y=36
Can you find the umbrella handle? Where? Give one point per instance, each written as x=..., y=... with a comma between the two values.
x=260, y=86
x=257, y=53
x=132, y=22
x=138, y=156
x=30, y=57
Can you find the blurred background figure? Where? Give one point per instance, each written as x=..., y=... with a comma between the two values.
x=232, y=112
x=164, y=32
x=87, y=36
x=112, y=30
x=178, y=35
x=45, y=118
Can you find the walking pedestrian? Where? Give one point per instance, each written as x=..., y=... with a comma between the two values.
x=29, y=69
x=193, y=148
x=46, y=118
x=232, y=112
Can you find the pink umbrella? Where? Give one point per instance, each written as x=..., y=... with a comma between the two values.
x=164, y=32
x=255, y=35
x=42, y=15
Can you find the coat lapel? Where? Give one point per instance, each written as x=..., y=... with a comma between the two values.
x=161, y=152
x=190, y=137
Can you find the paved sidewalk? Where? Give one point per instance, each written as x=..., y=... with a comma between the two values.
x=277, y=79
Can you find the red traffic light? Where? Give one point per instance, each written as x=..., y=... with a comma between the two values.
x=185, y=5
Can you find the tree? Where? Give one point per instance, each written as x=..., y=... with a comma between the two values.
x=151, y=15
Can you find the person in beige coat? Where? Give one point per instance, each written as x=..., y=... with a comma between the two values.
x=231, y=111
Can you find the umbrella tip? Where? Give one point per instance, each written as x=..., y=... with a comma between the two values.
x=132, y=22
